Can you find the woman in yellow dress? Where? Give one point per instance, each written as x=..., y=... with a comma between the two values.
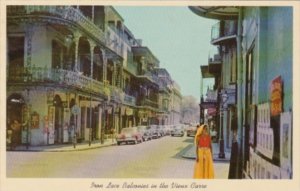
x=204, y=168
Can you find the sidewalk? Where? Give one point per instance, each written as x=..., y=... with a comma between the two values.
x=191, y=154
x=66, y=147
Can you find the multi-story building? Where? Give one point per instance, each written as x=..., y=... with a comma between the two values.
x=165, y=92
x=176, y=99
x=255, y=44
x=147, y=98
x=61, y=71
x=76, y=71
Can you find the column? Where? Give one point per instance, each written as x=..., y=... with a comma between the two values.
x=114, y=74
x=93, y=13
x=28, y=43
x=92, y=46
x=120, y=75
x=98, y=133
x=104, y=65
x=120, y=119
x=76, y=41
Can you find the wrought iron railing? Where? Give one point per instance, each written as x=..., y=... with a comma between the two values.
x=63, y=12
x=129, y=99
x=114, y=40
x=57, y=77
x=223, y=29
x=147, y=102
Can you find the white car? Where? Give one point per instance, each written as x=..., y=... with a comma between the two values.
x=129, y=135
x=177, y=131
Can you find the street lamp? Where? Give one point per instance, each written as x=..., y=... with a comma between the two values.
x=201, y=121
x=223, y=108
x=28, y=119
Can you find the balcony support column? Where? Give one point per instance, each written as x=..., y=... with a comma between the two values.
x=104, y=65
x=92, y=46
x=119, y=75
x=76, y=41
x=114, y=73
x=93, y=13
x=28, y=43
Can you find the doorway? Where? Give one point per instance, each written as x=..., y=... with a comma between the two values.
x=16, y=116
x=58, y=130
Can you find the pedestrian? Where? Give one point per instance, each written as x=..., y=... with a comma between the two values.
x=204, y=167
x=16, y=133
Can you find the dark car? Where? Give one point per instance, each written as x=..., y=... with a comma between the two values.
x=129, y=135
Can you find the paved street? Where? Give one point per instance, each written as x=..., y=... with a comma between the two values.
x=159, y=158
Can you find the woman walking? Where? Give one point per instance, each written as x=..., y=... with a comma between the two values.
x=204, y=168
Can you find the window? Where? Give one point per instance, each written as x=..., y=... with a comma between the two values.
x=16, y=51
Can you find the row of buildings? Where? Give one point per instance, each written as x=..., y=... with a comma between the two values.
x=78, y=70
x=251, y=103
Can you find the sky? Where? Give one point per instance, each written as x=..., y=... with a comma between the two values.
x=177, y=37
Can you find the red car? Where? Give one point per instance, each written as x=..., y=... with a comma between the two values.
x=129, y=134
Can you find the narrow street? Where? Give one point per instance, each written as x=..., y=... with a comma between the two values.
x=159, y=158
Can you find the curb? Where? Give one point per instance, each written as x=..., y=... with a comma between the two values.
x=215, y=158
x=63, y=150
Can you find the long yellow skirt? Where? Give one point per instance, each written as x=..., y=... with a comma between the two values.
x=204, y=168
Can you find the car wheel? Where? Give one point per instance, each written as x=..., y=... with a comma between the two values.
x=118, y=143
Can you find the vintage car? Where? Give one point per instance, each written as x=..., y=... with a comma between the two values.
x=177, y=131
x=191, y=131
x=155, y=132
x=146, y=133
x=129, y=135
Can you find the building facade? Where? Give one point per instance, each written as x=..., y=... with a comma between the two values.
x=256, y=88
x=76, y=73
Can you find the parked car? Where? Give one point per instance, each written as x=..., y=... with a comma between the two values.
x=130, y=134
x=160, y=129
x=177, y=131
x=146, y=133
x=167, y=129
x=155, y=132
x=191, y=131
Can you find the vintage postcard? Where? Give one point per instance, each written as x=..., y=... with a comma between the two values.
x=149, y=95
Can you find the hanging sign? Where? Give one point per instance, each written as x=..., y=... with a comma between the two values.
x=276, y=96
x=265, y=135
x=286, y=141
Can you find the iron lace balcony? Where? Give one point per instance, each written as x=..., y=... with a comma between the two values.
x=223, y=31
x=55, y=77
x=57, y=14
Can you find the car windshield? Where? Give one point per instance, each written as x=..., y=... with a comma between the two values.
x=128, y=130
x=141, y=128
